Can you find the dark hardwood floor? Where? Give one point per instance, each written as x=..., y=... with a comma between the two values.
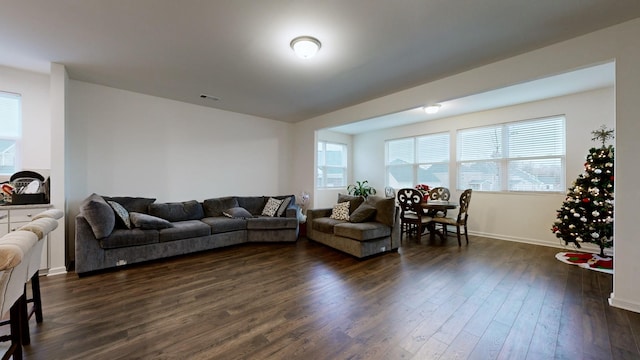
x=490, y=300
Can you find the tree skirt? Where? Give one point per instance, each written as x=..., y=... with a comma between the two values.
x=587, y=261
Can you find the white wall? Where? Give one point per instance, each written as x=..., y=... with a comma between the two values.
x=36, y=115
x=129, y=144
x=619, y=43
x=584, y=113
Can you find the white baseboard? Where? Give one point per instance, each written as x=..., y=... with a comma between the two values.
x=624, y=304
x=57, y=271
x=591, y=248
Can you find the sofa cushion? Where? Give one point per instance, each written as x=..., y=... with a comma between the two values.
x=364, y=212
x=237, y=212
x=325, y=224
x=354, y=201
x=122, y=215
x=385, y=209
x=340, y=211
x=362, y=231
x=266, y=222
x=253, y=204
x=125, y=237
x=146, y=221
x=215, y=206
x=184, y=230
x=177, y=211
x=137, y=204
x=271, y=207
x=99, y=215
x=223, y=224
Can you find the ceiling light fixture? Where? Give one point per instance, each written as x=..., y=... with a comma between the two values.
x=305, y=46
x=432, y=109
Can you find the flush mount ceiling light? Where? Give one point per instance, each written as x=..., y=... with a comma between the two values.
x=305, y=46
x=432, y=109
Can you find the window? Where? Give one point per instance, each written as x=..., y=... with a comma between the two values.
x=332, y=165
x=10, y=132
x=418, y=160
x=519, y=156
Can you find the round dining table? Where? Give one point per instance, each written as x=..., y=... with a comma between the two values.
x=433, y=207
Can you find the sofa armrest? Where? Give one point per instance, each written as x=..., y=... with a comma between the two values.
x=89, y=255
x=291, y=211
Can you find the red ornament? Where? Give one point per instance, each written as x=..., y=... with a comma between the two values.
x=611, y=178
x=586, y=200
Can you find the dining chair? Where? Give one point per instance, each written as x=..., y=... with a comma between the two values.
x=411, y=214
x=459, y=221
x=439, y=193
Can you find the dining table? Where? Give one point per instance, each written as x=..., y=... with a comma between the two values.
x=431, y=208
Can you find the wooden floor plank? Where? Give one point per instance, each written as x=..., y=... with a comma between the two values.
x=307, y=301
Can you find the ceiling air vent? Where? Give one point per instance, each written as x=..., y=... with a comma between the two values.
x=205, y=96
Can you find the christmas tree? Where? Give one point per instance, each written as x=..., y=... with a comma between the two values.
x=587, y=212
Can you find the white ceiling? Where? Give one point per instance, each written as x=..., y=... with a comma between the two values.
x=239, y=50
x=591, y=78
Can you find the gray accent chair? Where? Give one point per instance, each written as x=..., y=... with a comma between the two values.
x=361, y=237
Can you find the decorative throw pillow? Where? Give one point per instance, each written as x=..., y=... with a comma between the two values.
x=122, y=215
x=364, y=212
x=340, y=211
x=271, y=207
x=148, y=222
x=99, y=215
x=237, y=212
x=283, y=206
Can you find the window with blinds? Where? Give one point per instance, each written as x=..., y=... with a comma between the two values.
x=519, y=156
x=418, y=160
x=332, y=165
x=10, y=132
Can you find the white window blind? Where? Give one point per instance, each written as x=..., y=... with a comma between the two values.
x=332, y=165
x=418, y=160
x=519, y=156
x=10, y=132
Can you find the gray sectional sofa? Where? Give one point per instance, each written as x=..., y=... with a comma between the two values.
x=371, y=227
x=115, y=231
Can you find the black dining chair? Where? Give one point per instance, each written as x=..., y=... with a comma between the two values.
x=412, y=217
x=459, y=221
x=439, y=194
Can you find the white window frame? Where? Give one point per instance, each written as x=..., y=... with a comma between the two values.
x=503, y=159
x=14, y=135
x=415, y=163
x=322, y=166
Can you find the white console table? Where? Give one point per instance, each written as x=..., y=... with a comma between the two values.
x=14, y=216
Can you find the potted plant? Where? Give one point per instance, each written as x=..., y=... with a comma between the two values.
x=361, y=188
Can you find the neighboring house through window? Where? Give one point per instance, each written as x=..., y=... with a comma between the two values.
x=10, y=132
x=332, y=165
